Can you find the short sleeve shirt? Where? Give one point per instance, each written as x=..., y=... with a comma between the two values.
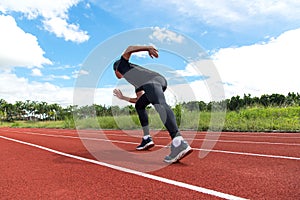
x=135, y=74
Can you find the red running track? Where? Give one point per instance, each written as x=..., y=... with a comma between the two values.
x=93, y=164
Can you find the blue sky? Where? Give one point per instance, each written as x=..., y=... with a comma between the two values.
x=253, y=45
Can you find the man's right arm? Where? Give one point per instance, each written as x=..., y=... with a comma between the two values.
x=153, y=52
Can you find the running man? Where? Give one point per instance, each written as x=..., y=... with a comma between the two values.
x=149, y=88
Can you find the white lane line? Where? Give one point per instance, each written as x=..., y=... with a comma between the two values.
x=250, y=135
x=221, y=141
x=130, y=171
x=163, y=146
x=275, y=135
x=250, y=142
x=249, y=154
x=195, y=139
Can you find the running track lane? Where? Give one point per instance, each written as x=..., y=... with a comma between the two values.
x=138, y=189
x=30, y=173
x=246, y=176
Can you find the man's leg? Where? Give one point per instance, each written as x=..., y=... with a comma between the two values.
x=140, y=107
x=179, y=147
x=155, y=95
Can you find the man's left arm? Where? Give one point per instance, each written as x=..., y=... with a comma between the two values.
x=120, y=95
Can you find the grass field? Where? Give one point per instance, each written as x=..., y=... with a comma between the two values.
x=251, y=119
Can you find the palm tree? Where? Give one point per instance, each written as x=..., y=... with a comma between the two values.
x=55, y=111
x=3, y=104
x=19, y=110
x=30, y=107
x=42, y=110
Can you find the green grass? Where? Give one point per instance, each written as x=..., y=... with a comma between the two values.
x=250, y=119
x=264, y=119
x=34, y=124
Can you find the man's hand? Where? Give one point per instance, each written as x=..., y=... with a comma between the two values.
x=118, y=94
x=153, y=52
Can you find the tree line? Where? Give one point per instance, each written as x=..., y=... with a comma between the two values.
x=236, y=103
x=39, y=111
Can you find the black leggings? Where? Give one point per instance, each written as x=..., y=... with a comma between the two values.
x=154, y=94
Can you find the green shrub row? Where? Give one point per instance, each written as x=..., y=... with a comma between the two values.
x=250, y=119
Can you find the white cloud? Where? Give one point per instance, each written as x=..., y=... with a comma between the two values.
x=54, y=15
x=20, y=89
x=270, y=67
x=194, y=91
x=141, y=54
x=17, y=47
x=78, y=73
x=63, y=67
x=190, y=70
x=164, y=35
x=36, y=72
x=223, y=12
x=61, y=28
x=88, y=96
x=250, y=18
x=263, y=68
x=207, y=85
x=65, y=77
x=104, y=96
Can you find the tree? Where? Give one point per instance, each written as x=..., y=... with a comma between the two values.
x=9, y=112
x=235, y=103
x=264, y=100
x=177, y=111
x=191, y=106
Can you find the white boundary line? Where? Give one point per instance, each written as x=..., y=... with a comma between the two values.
x=197, y=149
x=130, y=171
